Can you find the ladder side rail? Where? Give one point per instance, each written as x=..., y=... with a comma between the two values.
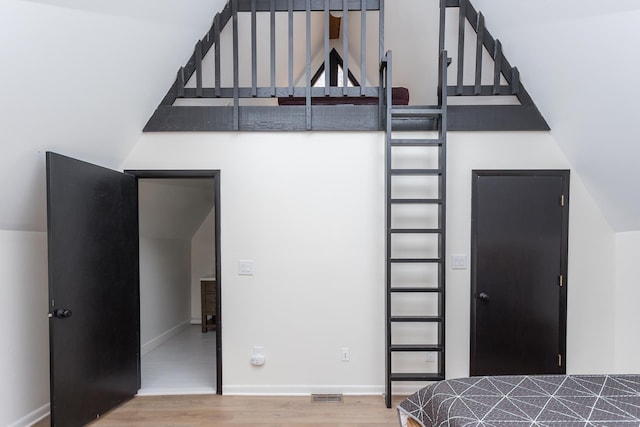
x=388, y=133
x=443, y=210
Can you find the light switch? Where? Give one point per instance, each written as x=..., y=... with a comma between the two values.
x=245, y=267
x=458, y=262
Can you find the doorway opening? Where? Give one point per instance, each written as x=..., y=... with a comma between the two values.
x=179, y=242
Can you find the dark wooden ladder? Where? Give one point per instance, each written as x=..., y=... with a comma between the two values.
x=396, y=120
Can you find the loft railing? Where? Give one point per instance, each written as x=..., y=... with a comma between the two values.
x=485, y=117
x=194, y=67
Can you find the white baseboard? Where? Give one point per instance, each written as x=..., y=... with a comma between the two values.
x=302, y=390
x=151, y=344
x=160, y=391
x=196, y=321
x=33, y=417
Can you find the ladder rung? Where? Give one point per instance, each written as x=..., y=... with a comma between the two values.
x=415, y=347
x=415, y=260
x=416, y=111
x=416, y=171
x=416, y=142
x=416, y=319
x=415, y=289
x=417, y=377
x=416, y=230
x=416, y=201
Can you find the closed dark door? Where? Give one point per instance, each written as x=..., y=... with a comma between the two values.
x=93, y=289
x=519, y=264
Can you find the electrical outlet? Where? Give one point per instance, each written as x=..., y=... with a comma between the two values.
x=432, y=357
x=345, y=356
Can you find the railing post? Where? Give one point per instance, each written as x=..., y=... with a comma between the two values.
x=327, y=81
x=290, y=47
x=236, y=75
x=254, y=53
x=198, y=58
x=345, y=47
x=363, y=47
x=216, y=40
x=308, y=67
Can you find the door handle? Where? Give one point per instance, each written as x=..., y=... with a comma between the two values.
x=61, y=313
x=483, y=296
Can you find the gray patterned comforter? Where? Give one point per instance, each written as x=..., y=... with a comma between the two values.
x=538, y=400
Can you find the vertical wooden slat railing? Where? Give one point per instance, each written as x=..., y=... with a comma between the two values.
x=363, y=47
x=216, y=41
x=236, y=67
x=308, y=67
x=290, y=12
x=327, y=20
x=198, y=55
x=345, y=47
x=272, y=11
x=254, y=50
x=479, y=48
x=461, y=26
x=196, y=68
x=382, y=61
x=497, y=67
x=501, y=67
x=180, y=82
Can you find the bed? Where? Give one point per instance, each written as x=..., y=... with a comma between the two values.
x=540, y=400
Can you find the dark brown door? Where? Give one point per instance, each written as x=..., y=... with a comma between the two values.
x=519, y=266
x=93, y=289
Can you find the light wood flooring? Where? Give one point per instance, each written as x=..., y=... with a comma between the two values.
x=247, y=411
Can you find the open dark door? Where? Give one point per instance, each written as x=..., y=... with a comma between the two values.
x=92, y=215
x=519, y=271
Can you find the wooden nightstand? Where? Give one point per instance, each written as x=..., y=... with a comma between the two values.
x=208, y=303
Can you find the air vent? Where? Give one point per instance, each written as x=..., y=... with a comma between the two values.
x=326, y=398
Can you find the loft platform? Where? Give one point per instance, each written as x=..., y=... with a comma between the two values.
x=295, y=99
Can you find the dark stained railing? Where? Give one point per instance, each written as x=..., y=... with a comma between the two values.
x=273, y=7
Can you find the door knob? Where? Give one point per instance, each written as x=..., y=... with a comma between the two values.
x=483, y=296
x=61, y=313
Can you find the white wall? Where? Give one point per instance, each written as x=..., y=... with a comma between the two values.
x=24, y=328
x=627, y=315
x=591, y=247
x=165, y=276
x=309, y=209
x=202, y=262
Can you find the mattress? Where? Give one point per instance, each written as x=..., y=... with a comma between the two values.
x=399, y=95
x=540, y=400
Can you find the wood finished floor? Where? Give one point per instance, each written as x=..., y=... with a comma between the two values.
x=246, y=411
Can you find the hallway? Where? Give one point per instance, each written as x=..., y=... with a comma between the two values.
x=185, y=364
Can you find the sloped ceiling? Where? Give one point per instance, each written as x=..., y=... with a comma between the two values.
x=580, y=62
x=82, y=78
x=174, y=208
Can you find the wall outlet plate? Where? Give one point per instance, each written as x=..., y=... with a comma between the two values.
x=246, y=267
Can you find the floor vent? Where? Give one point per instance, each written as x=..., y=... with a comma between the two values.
x=326, y=398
